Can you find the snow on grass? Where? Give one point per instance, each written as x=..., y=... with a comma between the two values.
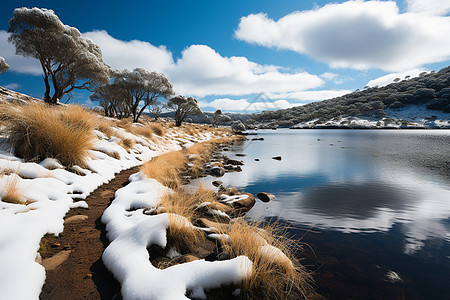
x=51, y=190
x=132, y=232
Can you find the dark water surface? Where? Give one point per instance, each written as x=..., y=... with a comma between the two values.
x=377, y=203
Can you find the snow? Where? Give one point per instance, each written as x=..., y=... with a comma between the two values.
x=132, y=232
x=52, y=191
x=417, y=116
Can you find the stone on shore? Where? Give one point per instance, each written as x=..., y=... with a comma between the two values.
x=265, y=197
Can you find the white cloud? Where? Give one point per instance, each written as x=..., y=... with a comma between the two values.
x=432, y=7
x=17, y=63
x=201, y=71
x=355, y=34
x=388, y=79
x=12, y=86
x=244, y=105
x=310, y=96
x=132, y=54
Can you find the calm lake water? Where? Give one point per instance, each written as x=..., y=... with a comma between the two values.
x=371, y=206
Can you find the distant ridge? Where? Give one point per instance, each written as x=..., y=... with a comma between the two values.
x=420, y=99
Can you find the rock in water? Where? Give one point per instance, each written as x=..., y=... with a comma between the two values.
x=217, y=183
x=217, y=171
x=265, y=197
x=277, y=157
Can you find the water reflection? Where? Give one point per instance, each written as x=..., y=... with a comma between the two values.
x=379, y=200
x=361, y=200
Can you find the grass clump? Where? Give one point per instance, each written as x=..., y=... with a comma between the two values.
x=157, y=129
x=10, y=191
x=166, y=168
x=276, y=274
x=37, y=131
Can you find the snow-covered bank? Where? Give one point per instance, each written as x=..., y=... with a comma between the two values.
x=46, y=192
x=127, y=257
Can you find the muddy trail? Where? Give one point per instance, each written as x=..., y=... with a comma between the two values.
x=73, y=263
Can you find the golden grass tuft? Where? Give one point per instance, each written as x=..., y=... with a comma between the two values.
x=37, y=131
x=157, y=129
x=166, y=168
x=10, y=192
x=276, y=274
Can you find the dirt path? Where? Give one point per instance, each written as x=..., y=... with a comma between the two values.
x=73, y=263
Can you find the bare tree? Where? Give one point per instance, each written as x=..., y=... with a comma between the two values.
x=3, y=65
x=142, y=87
x=184, y=106
x=69, y=61
x=156, y=108
x=113, y=99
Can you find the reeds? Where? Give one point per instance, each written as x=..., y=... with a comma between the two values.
x=37, y=131
x=276, y=274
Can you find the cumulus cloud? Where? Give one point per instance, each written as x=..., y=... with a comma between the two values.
x=201, y=71
x=310, y=96
x=131, y=54
x=388, y=79
x=246, y=105
x=12, y=86
x=17, y=63
x=432, y=7
x=355, y=34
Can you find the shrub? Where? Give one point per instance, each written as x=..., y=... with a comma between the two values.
x=37, y=131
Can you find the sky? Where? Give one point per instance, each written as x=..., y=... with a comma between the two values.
x=247, y=56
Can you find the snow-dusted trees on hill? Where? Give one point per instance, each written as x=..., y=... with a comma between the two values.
x=130, y=93
x=69, y=61
x=184, y=106
x=3, y=65
x=143, y=88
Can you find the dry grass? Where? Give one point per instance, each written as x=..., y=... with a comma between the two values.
x=157, y=129
x=181, y=208
x=166, y=168
x=10, y=192
x=276, y=274
x=37, y=131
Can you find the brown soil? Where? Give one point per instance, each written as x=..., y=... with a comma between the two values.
x=82, y=274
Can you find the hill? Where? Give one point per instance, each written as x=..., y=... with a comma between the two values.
x=422, y=101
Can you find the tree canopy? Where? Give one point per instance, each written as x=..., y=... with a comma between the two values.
x=69, y=61
x=143, y=88
x=184, y=106
x=3, y=65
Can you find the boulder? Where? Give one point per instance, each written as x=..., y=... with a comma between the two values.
x=277, y=157
x=258, y=139
x=217, y=171
x=241, y=154
x=228, y=161
x=217, y=183
x=265, y=197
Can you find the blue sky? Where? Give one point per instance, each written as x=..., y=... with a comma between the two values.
x=225, y=53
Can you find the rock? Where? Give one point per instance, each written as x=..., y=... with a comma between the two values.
x=217, y=171
x=56, y=260
x=154, y=211
x=241, y=154
x=256, y=159
x=228, y=161
x=265, y=197
x=75, y=219
x=258, y=139
x=245, y=204
x=226, y=149
x=277, y=157
x=217, y=183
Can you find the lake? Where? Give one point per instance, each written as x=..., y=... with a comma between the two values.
x=372, y=207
